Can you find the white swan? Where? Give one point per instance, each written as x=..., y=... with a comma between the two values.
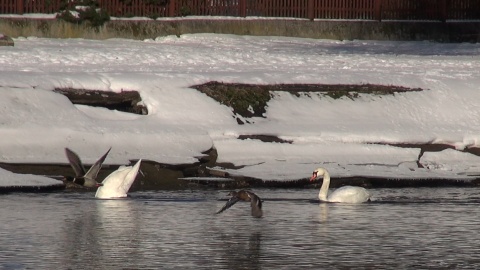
x=117, y=184
x=346, y=194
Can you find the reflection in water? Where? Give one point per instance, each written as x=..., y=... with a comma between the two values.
x=323, y=213
x=120, y=224
x=403, y=228
x=246, y=251
x=107, y=233
x=79, y=236
x=90, y=234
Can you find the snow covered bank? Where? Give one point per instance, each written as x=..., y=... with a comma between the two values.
x=345, y=135
x=26, y=182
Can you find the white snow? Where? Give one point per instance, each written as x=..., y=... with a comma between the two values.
x=10, y=179
x=343, y=135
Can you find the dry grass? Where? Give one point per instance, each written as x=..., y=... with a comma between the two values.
x=241, y=97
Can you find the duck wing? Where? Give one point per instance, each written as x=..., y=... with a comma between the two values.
x=229, y=204
x=75, y=163
x=93, y=171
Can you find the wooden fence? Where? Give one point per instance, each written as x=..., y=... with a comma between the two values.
x=437, y=10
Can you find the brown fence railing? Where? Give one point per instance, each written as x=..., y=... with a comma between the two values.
x=437, y=10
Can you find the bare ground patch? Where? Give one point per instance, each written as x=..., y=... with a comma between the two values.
x=125, y=101
x=250, y=100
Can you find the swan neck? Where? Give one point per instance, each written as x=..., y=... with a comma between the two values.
x=322, y=195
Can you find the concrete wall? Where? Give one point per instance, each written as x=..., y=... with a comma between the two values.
x=368, y=30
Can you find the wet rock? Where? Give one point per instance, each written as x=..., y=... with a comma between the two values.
x=6, y=40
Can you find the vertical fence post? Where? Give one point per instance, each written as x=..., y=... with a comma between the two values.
x=378, y=10
x=443, y=10
x=310, y=11
x=171, y=8
x=20, y=7
x=242, y=6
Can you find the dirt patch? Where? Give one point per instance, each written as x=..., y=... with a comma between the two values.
x=249, y=100
x=264, y=138
x=125, y=101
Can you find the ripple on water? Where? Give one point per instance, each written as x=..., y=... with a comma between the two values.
x=401, y=228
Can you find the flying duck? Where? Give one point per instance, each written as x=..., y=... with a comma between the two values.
x=86, y=179
x=247, y=196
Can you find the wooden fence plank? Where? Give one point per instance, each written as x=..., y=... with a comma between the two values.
x=439, y=10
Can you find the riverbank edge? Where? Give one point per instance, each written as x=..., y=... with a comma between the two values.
x=157, y=176
x=137, y=29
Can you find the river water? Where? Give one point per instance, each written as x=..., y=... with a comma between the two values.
x=434, y=228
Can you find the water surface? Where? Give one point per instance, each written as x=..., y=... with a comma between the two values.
x=435, y=228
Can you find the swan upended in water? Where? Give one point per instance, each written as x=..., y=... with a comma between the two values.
x=346, y=194
x=117, y=184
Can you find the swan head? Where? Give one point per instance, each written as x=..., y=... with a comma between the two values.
x=318, y=172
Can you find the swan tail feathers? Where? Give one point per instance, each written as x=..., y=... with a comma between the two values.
x=131, y=176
